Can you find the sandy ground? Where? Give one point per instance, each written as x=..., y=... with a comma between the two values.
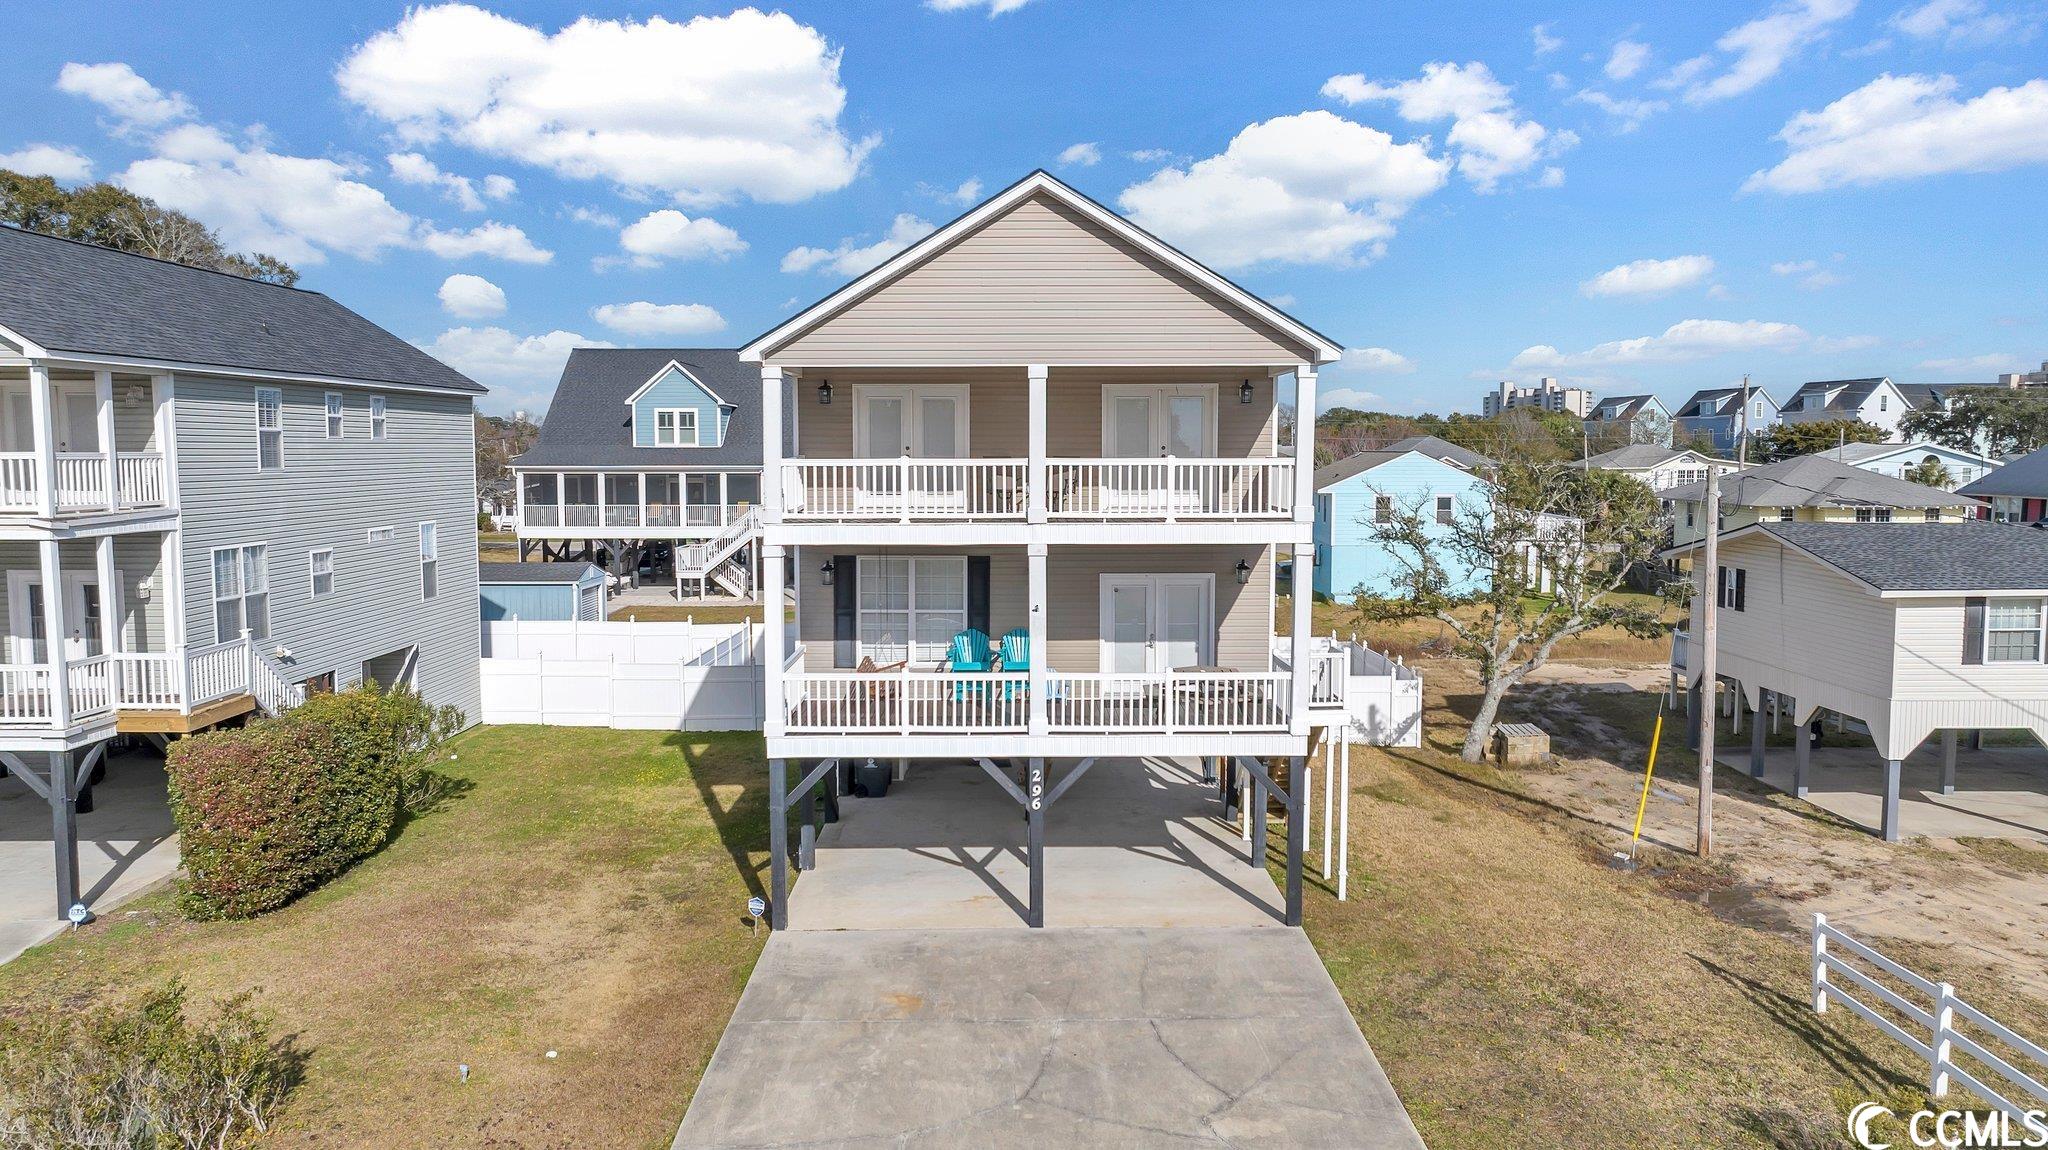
x=1788, y=859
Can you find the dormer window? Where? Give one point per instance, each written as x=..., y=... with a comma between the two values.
x=675, y=427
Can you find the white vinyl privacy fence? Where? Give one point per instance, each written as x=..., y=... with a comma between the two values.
x=652, y=676
x=1959, y=1043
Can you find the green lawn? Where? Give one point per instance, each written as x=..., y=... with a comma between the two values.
x=586, y=896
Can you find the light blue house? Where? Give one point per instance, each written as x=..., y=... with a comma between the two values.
x=541, y=592
x=1421, y=471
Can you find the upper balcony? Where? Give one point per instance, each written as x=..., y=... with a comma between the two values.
x=90, y=444
x=912, y=490
x=662, y=504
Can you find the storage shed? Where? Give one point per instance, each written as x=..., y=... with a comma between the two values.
x=553, y=592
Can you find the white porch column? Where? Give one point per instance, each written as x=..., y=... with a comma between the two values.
x=1035, y=561
x=103, y=410
x=1304, y=448
x=54, y=633
x=771, y=449
x=110, y=614
x=170, y=581
x=1298, y=636
x=41, y=405
x=1036, y=473
x=774, y=712
x=163, y=394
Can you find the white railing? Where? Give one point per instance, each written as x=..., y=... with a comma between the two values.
x=18, y=487
x=148, y=682
x=144, y=681
x=82, y=480
x=1169, y=702
x=274, y=693
x=1170, y=488
x=840, y=702
x=2006, y=1069
x=697, y=559
x=905, y=489
x=91, y=685
x=542, y=515
x=216, y=672
x=24, y=694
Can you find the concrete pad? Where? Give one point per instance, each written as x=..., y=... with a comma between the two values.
x=125, y=847
x=2001, y=792
x=1135, y=842
x=1104, y=1037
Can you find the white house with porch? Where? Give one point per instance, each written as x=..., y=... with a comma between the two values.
x=1907, y=630
x=215, y=494
x=1031, y=505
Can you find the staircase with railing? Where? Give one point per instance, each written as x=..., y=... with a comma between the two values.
x=714, y=560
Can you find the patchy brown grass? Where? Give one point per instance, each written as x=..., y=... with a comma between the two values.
x=586, y=896
x=2008, y=855
x=1521, y=993
x=677, y=612
x=1408, y=637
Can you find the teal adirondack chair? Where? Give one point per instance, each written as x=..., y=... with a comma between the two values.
x=968, y=652
x=1016, y=656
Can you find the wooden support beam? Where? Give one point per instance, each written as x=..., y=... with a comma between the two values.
x=1068, y=780
x=1948, y=762
x=1890, y=824
x=1802, y=757
x=1035, y=840
x=1297, y=836
x=778, y=846
x=1756, y=740
x=1002, y=779
x=64, y=829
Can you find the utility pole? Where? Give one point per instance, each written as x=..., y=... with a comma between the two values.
x=1742, y=437
x=1709, y=623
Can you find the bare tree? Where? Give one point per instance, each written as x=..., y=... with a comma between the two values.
x=1573, y=532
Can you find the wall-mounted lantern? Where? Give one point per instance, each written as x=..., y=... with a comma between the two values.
x=825, y=394
x=825, y=572
x=1244, y=392
x=1244, y=572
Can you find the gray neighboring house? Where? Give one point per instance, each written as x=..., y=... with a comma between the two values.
x=649, y=457
x=1875, y=400
x=1630, y=420
x=1719, y=414
x=240, y=491
x=2017, y=492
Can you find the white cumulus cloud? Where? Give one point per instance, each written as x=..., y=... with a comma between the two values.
x=995, y=7
x=1629, y=112
x=1489, y=135
x=53, y=160
x=1685, y=340
x=1312, y=187
x=1650, y=277
x=1376, y=359
x=471, y=297
x=491, y=238
x=1753, y=53
x=1980, y=365
x=670, y=235
x=520, y=370
x=133, y=101
x=706, y=110
x=1964, y=23
x=1627, y=58
x=1903, y=127
x=463, y=192
x=643, y=318
x=852, y=256
x=1357, y=399
x=1083, y=155
x=1544, y=41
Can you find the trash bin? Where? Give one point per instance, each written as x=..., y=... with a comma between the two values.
x=871, y=779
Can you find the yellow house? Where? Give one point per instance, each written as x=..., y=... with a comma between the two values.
x=1812, y=489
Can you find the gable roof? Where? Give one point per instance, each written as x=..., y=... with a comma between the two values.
x=585, y=426
x=1860, y=453
x=1634, y=457
x=1925, y=395
x=1976, y=555
x=1039, y=182
x=2026, y=476
x=1712, y=401
x=79, y=299
x=663, y=370
x=1848, y=392
x=1441, y=450
x=1623, y=407
x=1814, y=481
x=548, y=573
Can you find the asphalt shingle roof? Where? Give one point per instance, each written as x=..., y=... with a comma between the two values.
x=1973, y=556
x=1849, y=393
x=1815, y=481
x=87, y=300
x=1429, y=445
x=1634, y=457
x=589, y=425
x=2026, y=476
x=1618, y=407
x=534, y=572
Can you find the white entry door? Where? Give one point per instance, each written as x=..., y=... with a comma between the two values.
x=1153, y=423
x=83, y=604
x=80, y=429
x=1156, y=623
x=922, y=422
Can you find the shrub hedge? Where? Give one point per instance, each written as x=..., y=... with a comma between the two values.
x=272, y=810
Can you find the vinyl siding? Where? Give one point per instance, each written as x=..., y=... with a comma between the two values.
x=1935, y=691
x=999, y=405
x=1039, y=284
x=136, y=557
x=1073, y=627
x=328, y=494
x=1348, y=558
x=677, y=390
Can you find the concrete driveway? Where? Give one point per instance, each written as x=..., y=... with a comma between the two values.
x=2001, y=792
x=1131, y=1037
x=125, y=846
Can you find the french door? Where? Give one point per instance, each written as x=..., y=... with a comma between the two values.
x=920, y=422
x=83, y=603
x=1154, y=423
x=1151, y=624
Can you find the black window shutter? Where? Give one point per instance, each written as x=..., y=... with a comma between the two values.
x=1973, y=630
x=1741, y=586
x=845, y=611
x=1720, y=586
x=977, y=593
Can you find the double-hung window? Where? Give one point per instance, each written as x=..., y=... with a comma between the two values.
x=334, y=427
x=430, y=560
x=675, y=427
x=1443, y=509
x=911, y=608
x=1382, y=509
x=376, y=417
x=241, y=592
x=2012, y=631
x=321, y=564
x=1733, y=588
x=269, y=429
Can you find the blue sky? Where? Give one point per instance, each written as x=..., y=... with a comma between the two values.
x=1461, y=193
